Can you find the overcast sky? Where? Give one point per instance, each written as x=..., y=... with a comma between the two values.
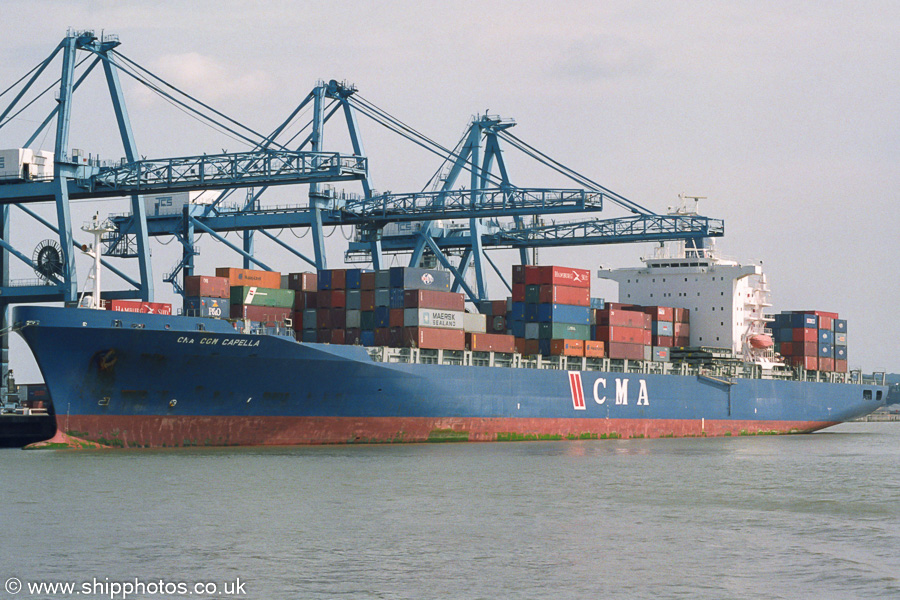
x=784, y=115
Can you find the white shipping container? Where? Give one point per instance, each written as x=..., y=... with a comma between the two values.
x=433, y=317
x=167, y=204
x=475, y=322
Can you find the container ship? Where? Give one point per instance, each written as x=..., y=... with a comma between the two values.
x=349, y=356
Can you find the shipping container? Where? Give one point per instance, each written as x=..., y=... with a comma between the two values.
x=826, y=336
x=563, y=313
x=840, y=366
x=563, y=294
x=825, y=351
x=490, y=342
x=433, y=318
x=310, y=336
x=519, y=272
x=354, y=299
x=681, y=315
x=567, y=347
x=662, y=341
x=681, y=329
x=433, y=338
x=433, y=299
x=518, y=292
x=598, y=303
x=805, y=335
x=352, y=336
x=474, y=322
x=205, y=286
x=532, y=294
x=332, y=299
x=137, y=306
x=354, y=319
x=840, y=325
x=663, y=328
x=353, y=279
x=497, y=324
x=303, y=282
x=367, y=320
x=415, y=278
x=269, y=315
x=826, y=363
x=840, y=339
x=840, y=352
x=517, y=328
x=804, y=321
x=594, y=349
x=382, y=281
x=261, y=296
x=310, y=319
x=810, y=363
x=297, y=320
x=533, y=331
x=629, y=351
x=621, y=318
x=367, y=282
x=304, y=300
x=397, y=317
x=367, y=299
x=382, y=336
x=367, y=337
x=661, y=354
x=382, y=298
x=659, y=313
x=338, y=318
x=561, y=331
x=206, y=307
x=338, y=336
x=552, y=275
x=323, y=318
x=250, y=277
x=625, y=335
x=397, y=298
x=533, y=347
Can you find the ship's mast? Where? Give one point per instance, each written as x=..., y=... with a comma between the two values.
x=97, y=228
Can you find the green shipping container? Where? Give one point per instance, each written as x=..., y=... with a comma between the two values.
x=260, y=296
x=564, y=331
x=532, y=294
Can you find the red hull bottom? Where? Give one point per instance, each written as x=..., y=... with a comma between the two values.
x=164, y=431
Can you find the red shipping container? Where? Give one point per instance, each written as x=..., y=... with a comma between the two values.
x=519, y=273
x=490, y=342
x=520, y=345
x=620, y=318
x=681, y=315
x=397, y=340
x=338, y=318
x=323, y=336
x=625, y=335
x=682, y=342
x=648, y=337
x=297, y=320
x=382, y=336
x=395, y=317
x=323, y=318
x=565, y=276
x=840, y=366
x=338, y=298
x=806, y=348
x=787, y=349
x=337, y=336
x=367, y=280
x=532, y=347
x=629, y=351
x=261, y=314
x=826, y=364
x=137, y=306
x=303, y=300
x=338, y=279
x=660, y=313
x=664, y=341
x=351, y=337
x=367, y=300
x=566, y=347
x=819, y=313
x=303, y=282
x=826, y=323
x=428, y=337
x=618, y=306
x=564, y=294
x=251, y=277
x=681, y=329
x=805, y=335
x=532, y=275
x=498, y=308
x=594, y=349
x=518, y=292
x=434, y=299
x=206, y=286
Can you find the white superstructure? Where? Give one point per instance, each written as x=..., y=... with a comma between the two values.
x=25, y=164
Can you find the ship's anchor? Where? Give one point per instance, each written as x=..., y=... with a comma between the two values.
x=107, y=360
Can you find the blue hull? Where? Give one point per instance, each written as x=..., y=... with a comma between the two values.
x=150, y=380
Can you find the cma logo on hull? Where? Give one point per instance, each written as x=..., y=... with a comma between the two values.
x=600, y=391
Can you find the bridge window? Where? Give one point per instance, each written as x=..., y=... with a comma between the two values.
x=867, y=394
x=878, y=395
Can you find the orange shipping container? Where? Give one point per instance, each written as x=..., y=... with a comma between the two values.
x=427, y=337
x=250, y=277
x=564, y=294
x=567, y=347
x=594, y=349
x=490, y=342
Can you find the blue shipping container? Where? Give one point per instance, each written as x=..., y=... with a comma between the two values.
x=324, y=280
x=382, y=316
x=367, y=338
x=598, y=303
x=801, y=321
x=517, y=328
x=518, y=312
x=826, y=351
x=396, y=298
x=563, y=313
x=840, y=352
x=840, y=325
x=197, y=306
x=354, y=279
x=531, y=313
x=826, y=336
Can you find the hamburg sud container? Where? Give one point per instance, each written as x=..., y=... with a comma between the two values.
x=137, y=306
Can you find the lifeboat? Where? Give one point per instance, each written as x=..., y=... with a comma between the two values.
x=760, y=341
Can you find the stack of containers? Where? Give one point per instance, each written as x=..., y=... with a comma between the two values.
x=815, y=340
x=625, y=331
x=305, y=286
x=256, y=296
x=331, y=306
x=495, y=312
x=669, y=327
x=206, y=296
x=551, y=311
